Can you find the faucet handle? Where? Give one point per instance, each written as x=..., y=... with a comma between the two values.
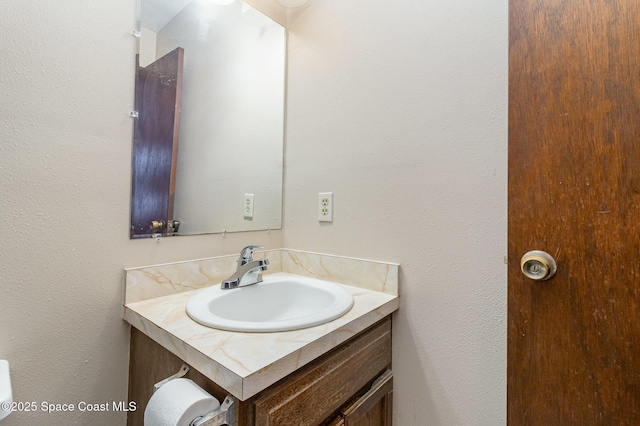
x=246, y=254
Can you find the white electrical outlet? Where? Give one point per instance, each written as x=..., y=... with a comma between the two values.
x=325, y=207
x=248, y=205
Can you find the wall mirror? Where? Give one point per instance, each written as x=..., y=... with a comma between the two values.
x=208, y=139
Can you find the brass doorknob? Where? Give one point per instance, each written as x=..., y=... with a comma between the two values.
x=158, y=224
x=538, y=265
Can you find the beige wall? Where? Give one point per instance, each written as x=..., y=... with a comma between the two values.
x=67, y=75
x=147, y=46
x=397, y=107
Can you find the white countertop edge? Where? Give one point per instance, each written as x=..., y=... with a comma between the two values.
x=262, y=379
x=254, y=382
x=211, y=369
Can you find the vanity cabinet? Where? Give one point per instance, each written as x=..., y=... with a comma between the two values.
x=350, y=385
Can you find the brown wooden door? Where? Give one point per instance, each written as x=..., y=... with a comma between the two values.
x=574, y=191
x=155, y=144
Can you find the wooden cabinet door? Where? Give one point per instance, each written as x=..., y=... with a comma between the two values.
x=574, y=192
x=374, y=408
x=314, y=393
x=155, y=143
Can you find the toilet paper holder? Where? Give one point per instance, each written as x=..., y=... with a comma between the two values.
x=181, y=373
x=220, y=417
x=223, y=416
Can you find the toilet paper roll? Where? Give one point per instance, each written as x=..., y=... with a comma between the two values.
x=178, y=403
x=6, y=394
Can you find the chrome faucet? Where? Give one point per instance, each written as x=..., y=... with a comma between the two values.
x=248, y=271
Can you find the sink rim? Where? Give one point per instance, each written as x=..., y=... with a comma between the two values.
x=197, y=307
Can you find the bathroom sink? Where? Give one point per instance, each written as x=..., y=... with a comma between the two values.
x=276, y=304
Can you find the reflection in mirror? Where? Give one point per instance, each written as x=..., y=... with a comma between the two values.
x=209, y=132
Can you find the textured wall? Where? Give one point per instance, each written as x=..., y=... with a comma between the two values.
x=65, y=153
x=400, y=109
x=397, y=107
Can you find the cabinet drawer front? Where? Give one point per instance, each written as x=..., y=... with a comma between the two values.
x=311, y=395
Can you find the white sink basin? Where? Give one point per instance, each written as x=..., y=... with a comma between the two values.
x=276, y=304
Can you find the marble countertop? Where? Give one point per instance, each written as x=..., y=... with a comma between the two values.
x=246, y=363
